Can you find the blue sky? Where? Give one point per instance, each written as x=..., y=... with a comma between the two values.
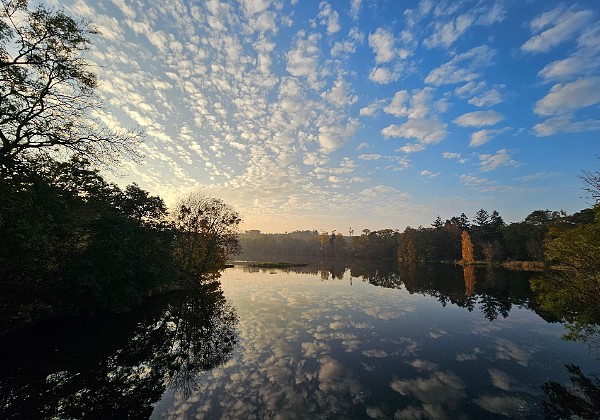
x=363, y=114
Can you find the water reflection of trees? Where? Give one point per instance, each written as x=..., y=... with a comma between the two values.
x=581, y=399
x=128, y=363
x=494, y=291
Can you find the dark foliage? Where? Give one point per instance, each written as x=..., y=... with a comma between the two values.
x=580, y=399
x=72, y=243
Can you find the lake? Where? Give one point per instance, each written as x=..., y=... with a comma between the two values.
x=370, y=341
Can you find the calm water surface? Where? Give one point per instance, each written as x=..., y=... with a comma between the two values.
x=315, y=346
x=427, y=342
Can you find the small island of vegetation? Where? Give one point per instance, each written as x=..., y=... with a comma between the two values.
x=276, y=264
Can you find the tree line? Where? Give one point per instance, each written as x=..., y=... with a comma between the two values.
x=490, y=238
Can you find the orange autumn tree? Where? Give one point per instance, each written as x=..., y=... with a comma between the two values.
x=467, y=247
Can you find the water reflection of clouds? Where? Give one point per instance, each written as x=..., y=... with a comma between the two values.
x=423, y=364
x=375, y=353
x=441, y=392
x=507, y=405
x=508, y=350
x=299, y=347
x=406, y=346
x=285, y=355
x=461, y=357
x=315, y=349
x=437, y=333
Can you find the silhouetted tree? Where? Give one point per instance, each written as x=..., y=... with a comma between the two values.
x=591, y=184
x=496, y=221
x=482, y=218
x=47, y=91
x=207, y=230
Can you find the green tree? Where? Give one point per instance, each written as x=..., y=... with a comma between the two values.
x=571, y=290
x=47, y=91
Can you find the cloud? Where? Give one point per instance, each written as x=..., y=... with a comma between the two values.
x=447, y=32
x=419, y=103
x=402, y=163
x=561, y=103
x=378, y=190
x=479, y=119
x=337, y=95
x=562, y=26
x=568, y=97
x=489, y=98
x=383, y=75
x=472, y=181
x=411, y=148
x=329, y=17
x=454, y=155
x=584, y=61
x=348, y=46
x=426, y=131
x=372, y=156
x=397, y=106
x=462, y=67
x=355, y=8
x=371, y=109
x=564, y=124
x=253, y=7
x=303, y=59
x=490, y=162
x=383, y=44
x=479, y=95
x=332, y=137
x=481, y=137
x=428, y=174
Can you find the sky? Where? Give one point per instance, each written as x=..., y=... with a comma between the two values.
x=354, y=114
